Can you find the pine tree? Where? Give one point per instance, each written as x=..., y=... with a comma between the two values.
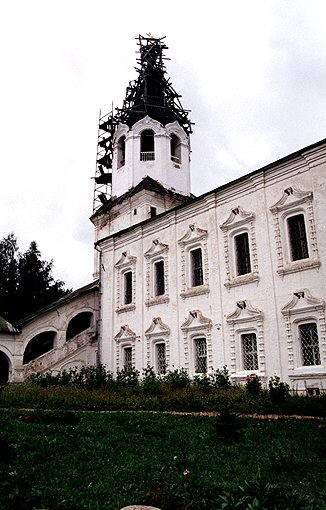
x=26, y=281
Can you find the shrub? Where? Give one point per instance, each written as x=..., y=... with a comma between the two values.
x=221, y=378
x=279, y=391
x=177, y=379
x=150, y=383
x=127, y=377
x=253, y=386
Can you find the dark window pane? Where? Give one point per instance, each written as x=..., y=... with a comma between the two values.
x=309, y=344
x=127, y=357
x=159, y=284
x=298, y=238
x=128, y=287
x=249, y=351
x=242, y=254
x=160, y=358
x=196, y=267
x=200, y=356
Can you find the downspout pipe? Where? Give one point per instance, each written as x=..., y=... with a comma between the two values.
x=99, y=321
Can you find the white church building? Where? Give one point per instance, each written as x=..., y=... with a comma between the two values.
x=233, y=277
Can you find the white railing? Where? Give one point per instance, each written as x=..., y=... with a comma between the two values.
x=147, y=156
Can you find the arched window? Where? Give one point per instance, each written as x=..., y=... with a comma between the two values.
x=78, y=324
x=40, y=344
x=4, y=368
x=121, y=151
x=147, y=150
x=175, y=145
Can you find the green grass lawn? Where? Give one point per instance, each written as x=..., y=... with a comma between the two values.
x=104, y=461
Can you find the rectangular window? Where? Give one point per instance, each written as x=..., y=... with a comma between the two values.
x=160, y=358
x=152, y=212
x=159, y=283
x=200, y=356
x=127, y=362
x=196, y=267
x=249, y=351
x=298, y=237
x=127, y=278
x=242, y=254
x=309, y=344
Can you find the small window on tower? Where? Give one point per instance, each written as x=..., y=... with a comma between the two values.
x=152, y=212
x=121, y=151
x=175, y=145
x=147, y=151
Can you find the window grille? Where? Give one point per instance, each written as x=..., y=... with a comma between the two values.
x=309, y=344
x=147, y=156
x=242, y=252
x=128, y=287
x=127, y=357
x=249, y=351
x=200, y=355
x=196, y=267
x=160, y=358
x=159, y=283
x=298, y=237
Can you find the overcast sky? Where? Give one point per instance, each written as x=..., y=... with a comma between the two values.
x=253, y=74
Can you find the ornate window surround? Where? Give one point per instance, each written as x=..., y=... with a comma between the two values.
x=124, y=264
x=303, y=308
x=246, y=319
x=158, y=332
x=294, y=201
x=239, y=222
x=125, y=338
x=195, y=237
x=158, y=251
x=196, y=326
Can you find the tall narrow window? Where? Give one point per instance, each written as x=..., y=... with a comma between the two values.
x=242, y=254
x=200, y=356
x=196, y=267
x=249, y=351
x=160, y=358
x=121, y=151
x=298, y=237
x=159, y=283
x=127, y=277
x=147, y=151
x=309, y=344
x=127, y=362
x=175, y=148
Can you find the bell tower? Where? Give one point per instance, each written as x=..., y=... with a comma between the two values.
x=147, y=138
x=143, y=153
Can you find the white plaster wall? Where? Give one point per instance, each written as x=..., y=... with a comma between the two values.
x=255, y=194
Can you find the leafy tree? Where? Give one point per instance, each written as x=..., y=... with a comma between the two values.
x=26, y=281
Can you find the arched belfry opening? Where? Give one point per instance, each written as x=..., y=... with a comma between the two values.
x=175, y=146
x=121, y=151
x=150, y=95
x=4, y=368
x=147, y=145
